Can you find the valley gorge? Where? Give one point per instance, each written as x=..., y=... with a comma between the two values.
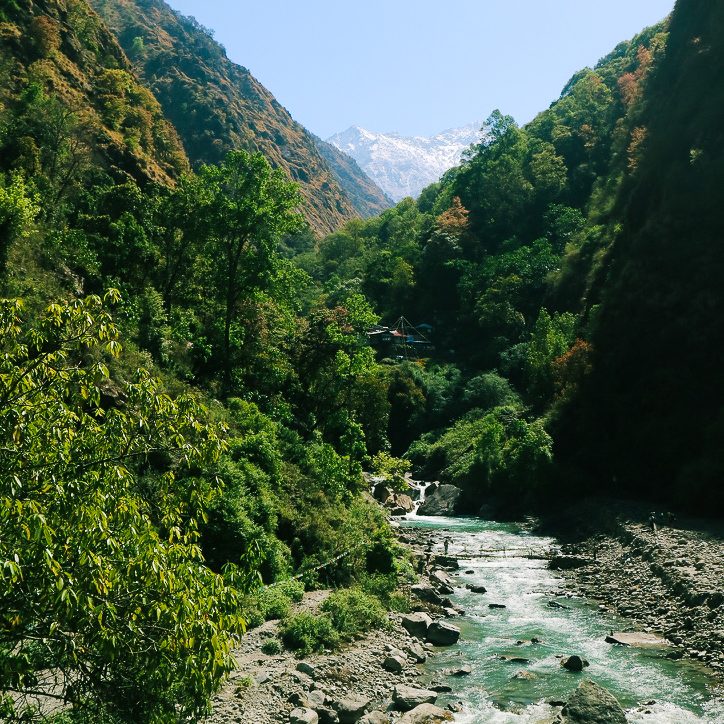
x=231, y=351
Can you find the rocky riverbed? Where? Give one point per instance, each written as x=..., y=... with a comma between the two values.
x=372, y=680
x=670, y=581
x=663, y=585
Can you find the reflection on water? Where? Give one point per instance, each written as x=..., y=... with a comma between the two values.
x=651, y=687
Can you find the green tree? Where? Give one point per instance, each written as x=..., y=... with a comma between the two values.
x=18, y=209
x=245, y=207
x=101, y=576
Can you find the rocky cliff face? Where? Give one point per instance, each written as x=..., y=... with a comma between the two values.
x=217, y=105
x=403, y=166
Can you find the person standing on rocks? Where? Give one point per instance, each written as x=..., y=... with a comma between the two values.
x=447, y=544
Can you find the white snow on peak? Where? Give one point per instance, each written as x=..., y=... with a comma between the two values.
x=404, y=165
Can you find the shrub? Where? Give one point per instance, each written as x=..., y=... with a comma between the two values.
x=353, y=611
x=272, y=647
x=306, y=633
x=273, y=602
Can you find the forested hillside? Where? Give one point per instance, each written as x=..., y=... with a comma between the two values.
x=184, y=414
x=569, y=270
x=650, y=415
x=188, y=398
x=218, y=106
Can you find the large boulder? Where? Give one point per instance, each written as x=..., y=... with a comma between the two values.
x=416, y=624
x=375, y=717
x=351, y=709
x=382, y=493
x=441, y=633
x=574, y=663
x=393, y=663
x=591, y=704
x=303, y=716
x=441, y=500
x=408, y=697
x=425, y=714
x=425, y=592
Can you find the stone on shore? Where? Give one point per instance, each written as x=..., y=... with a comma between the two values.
x=393, y=663
x=567, y=563
x=327, y=716
x=441, y=633
x=350, y=709
x=408, y=697
x=449, y=563
x=441, y=500
x=303, y=716
x=416, y=653
x=425, y=714
x=637, y=639
x=425, y=592
x=416, y=624
x=591, y=704
x=574, y=663
x=375, y=717
x=306, y=668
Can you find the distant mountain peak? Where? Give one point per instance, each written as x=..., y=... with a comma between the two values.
x=404, y=165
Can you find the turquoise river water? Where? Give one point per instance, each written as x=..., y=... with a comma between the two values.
x=651, y=687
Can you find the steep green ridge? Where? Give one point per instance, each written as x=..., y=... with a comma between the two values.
x=651, y=414
x=184, y=413
x=67, y=79
x=218, y=106
x=366, y=196
x=570, y=271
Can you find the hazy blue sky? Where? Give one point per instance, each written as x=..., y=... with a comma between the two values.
x=418, y=66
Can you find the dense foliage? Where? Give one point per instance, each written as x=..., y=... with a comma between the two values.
x=570, y=285
x=159, y=494
x=149, y=488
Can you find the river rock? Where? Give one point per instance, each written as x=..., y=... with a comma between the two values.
x=440, y=578
x=416, y=624
x=441, y=633
x=351, y=709
x=375, y=717
x=449, y=563
x=393, y=663
x=327, y=716
x=400, y=501
x=303, y=716
x=574, y=663
x=425, y=714
x=524, y=675
x=317, y=698
x=382, y=493
x=637, y=639
x=496, y=605
x=408, y=697
x=462, y=671
x=306, y=668
x=425, y=592
x=416, y=653
x=591, y=704
x=475, y=589
x=442, y=500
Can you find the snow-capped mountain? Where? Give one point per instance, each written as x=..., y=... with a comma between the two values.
x=400, y=165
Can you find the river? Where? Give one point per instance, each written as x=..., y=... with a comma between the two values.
x=651, y=687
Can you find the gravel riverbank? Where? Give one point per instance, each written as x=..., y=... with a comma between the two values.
x=670, y=582
x=667, y=583
x=365, y=674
